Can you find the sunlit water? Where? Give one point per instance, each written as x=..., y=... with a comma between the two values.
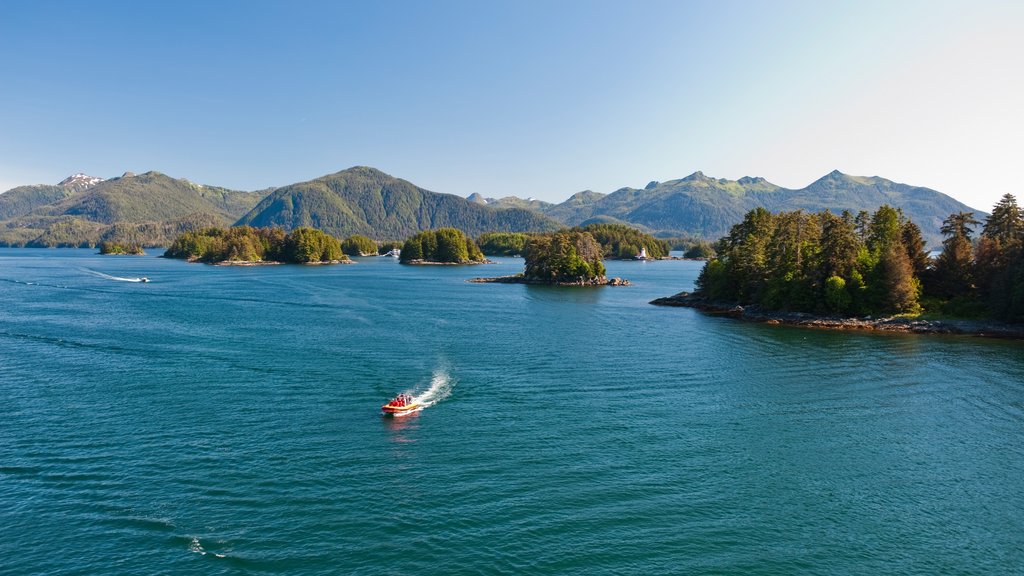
x=227, y=421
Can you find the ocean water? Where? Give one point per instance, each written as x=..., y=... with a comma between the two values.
x=221, y=420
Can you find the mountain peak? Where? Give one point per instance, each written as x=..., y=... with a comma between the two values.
x=698, y=175
x=79, y=182
x=746, y=180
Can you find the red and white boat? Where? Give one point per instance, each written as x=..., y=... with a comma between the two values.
x=400, y=406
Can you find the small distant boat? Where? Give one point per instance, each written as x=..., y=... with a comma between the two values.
x=143, y=279
x=394, y=253
x=643, y=253
x=400, y=406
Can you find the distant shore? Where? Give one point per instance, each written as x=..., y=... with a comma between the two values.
x=520, y=279
x=272, y=262
x=433, y=263
x=991, y=329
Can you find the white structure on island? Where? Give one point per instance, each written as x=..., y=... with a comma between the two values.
x=643, y=253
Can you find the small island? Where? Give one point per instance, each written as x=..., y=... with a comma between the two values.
x=248, y=246
x=565, y=258
x=444, y=246
x=121, y=249
x=359, y=245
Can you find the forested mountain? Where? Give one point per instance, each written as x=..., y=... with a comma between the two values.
x=151, y=197
x=366, y=201
x=700, y=205
x=149, y=209
x=24, y=199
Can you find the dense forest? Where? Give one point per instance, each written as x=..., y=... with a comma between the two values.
x=871, y=264
x=115, y=248
x=359, y=245
x=568, y=256
x=623, y=242
x=503, y=243
x=616, y=240
x=447, y=245
x=247, y=244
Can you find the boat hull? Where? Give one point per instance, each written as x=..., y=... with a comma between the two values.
x=390, y=410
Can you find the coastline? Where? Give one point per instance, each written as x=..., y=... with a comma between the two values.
x=984, y=328
x=520, y=279
x=433, y=263
x=274, y=263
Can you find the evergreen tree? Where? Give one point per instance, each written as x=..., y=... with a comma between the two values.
x=914, y=244
x=999, y=260
x=953, y=273
x=1006, y=223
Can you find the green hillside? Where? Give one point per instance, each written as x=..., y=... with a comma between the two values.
x=151, y=197
x=24, y=199
x=150, y=209
x=366, y=201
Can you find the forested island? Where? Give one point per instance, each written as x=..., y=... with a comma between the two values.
x=796, y=267
x=248, y=245
x=617, y=241
x=118, y=248
x=442, y=246
x=565, y=258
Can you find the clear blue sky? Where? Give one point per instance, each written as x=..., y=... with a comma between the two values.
x=538, y=99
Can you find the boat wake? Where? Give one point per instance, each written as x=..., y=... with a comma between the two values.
x=440, y=388
x=117, y=278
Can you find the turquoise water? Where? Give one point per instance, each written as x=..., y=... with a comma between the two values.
x=226, y=421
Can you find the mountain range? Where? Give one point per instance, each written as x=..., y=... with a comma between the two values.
x=152, y=208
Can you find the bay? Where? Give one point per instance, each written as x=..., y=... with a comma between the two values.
x=225, y=420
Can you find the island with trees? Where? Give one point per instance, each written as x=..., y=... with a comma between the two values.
x=121, y=249
x=622, y=242
x=245, y=245
x=503, y=243
x=617, y=241
x=441, y=246
x=565, y=258
x=869, y=271
x=359, y=245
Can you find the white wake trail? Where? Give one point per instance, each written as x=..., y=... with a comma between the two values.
x=109, y=277
x=440, y=388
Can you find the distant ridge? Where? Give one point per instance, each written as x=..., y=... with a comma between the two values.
x=708, y=207
x=84, y=210
x=364, y=200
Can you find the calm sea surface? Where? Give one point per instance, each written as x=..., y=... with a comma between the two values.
x=226, y=420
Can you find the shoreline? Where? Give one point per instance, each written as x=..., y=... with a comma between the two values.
x=433, y=263
x=520, y=279
x=274, y=263
x=982, y=328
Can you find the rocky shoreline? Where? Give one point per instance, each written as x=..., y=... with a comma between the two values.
x=991, y=329
x=520, y=279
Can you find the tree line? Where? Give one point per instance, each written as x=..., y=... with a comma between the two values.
x=871, y=264
x=248, y=244
x=448, y=245
x=616, y=240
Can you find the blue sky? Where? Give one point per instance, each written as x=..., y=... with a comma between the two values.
x=539, y=99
